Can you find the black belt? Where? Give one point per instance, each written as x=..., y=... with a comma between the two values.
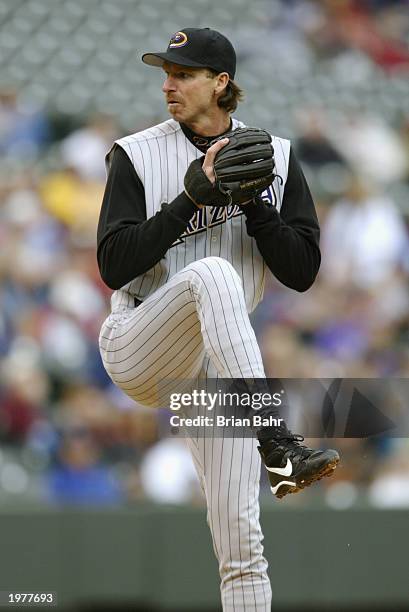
x=137, y=302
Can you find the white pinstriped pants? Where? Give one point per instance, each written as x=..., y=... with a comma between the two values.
x=196, y=325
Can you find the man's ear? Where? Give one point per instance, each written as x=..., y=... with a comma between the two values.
x=221, y=84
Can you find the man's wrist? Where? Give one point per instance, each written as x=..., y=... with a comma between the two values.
x=182, y=207
x=192, y=200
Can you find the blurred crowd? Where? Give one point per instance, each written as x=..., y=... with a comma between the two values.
x=67, y=435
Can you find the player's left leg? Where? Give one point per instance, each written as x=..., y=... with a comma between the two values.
x=229, y=471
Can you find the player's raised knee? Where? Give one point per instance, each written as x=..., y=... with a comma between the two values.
x=219, y=265
x=215, y=270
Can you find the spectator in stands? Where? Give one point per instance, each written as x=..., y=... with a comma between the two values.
x=84, y=149
x=79, y=477
x=24, y=129
x=364, y=238
x=313, y=145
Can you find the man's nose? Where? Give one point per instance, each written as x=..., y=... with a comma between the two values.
x=168, y=84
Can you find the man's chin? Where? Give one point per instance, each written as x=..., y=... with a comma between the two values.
x=176, y=115
x=177, y=111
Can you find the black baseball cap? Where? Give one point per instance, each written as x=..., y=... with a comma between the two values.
x=197, y=48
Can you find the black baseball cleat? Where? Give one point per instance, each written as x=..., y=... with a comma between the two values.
x=291, y=466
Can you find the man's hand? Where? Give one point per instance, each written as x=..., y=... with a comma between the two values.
x=208, y=162
x=200, y=179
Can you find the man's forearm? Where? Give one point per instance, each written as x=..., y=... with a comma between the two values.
x=290, y=251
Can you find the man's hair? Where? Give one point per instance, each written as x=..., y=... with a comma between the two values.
x=232, y=95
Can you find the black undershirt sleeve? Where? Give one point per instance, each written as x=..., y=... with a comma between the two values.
x=128, y=244
x=289, y=240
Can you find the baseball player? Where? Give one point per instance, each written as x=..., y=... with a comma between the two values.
x=187, y=257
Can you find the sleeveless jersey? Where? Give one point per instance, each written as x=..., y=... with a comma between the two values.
x=161, y=156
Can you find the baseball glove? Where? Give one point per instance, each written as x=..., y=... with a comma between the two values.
x=244, y=167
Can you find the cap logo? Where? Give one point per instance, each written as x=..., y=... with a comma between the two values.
x=178, y=40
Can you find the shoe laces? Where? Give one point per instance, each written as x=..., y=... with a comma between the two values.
x=294, y=441
x=285, y=434
x=296, y=438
